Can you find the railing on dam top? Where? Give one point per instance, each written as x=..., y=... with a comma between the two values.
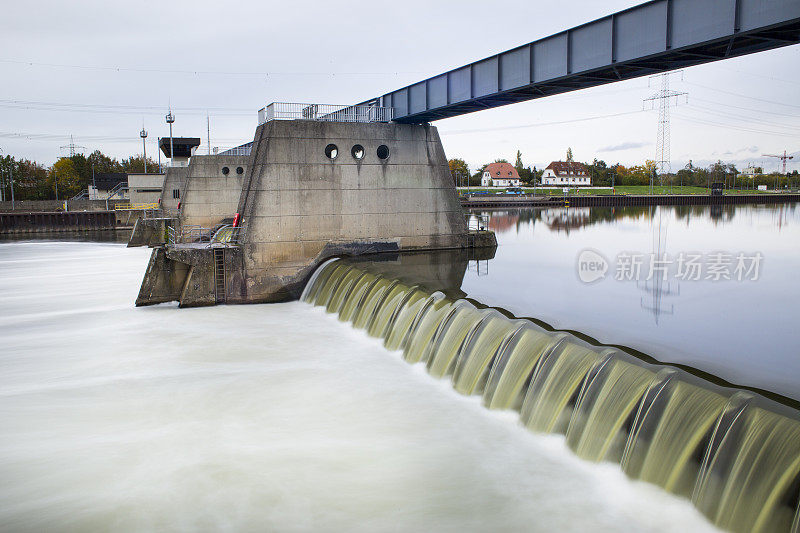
x=324, y=112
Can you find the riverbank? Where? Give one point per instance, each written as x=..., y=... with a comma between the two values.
x=639, y=190
x=526, y=200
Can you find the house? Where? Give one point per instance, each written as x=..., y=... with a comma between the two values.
x=500, y=175
x=566, y=173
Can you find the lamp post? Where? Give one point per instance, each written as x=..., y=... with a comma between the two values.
x=143, y=135
x=11, y=182
x=2, y=185
x=170, y=120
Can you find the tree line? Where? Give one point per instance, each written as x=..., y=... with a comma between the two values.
x=605, y=175
x=66, y=177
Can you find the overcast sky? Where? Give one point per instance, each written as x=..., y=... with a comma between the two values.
x=98, y=70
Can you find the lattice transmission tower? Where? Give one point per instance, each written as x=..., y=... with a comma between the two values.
x=72, y=147
x=664, y=97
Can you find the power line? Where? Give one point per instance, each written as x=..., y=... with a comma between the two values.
x=730, y=126
x=753, y=110
x=158, y=108
x=200, y=72
x=523, y=126
x=743, y=95
x=87, y=138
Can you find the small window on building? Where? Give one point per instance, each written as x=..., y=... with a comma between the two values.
x=383, y=152
x=357, y=151
x=331, y=151
x=498, y=172
x=239, y=170
x=176, y=193
x=226, y=171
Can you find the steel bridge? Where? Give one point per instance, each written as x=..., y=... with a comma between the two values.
x=650, y=38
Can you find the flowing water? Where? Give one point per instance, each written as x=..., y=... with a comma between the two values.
x=734, y=453
x=267, y=418
x=434, y=411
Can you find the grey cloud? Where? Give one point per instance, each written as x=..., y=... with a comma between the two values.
x=628, y=145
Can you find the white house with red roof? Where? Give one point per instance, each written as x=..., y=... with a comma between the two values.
x=500, y=175
x=566, y=173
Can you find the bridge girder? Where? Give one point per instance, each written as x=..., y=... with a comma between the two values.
x=650, y=38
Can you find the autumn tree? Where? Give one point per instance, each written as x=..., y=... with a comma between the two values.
x=65, y=178
x=459, y=170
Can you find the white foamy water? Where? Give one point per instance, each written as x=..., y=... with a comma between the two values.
x=258, y=418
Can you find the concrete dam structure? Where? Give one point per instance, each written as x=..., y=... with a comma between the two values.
x=252, y=228
x=734, y=453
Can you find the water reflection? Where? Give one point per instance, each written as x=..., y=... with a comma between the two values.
x=744, y=331
x=566, y=219
x=657, y=288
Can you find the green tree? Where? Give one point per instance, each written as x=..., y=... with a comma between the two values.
x=135, y=165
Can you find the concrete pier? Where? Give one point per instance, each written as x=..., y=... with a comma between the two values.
x=309, y=190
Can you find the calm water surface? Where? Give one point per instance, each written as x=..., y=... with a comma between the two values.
x=745, y=332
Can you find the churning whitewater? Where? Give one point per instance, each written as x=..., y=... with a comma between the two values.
x=260, y=417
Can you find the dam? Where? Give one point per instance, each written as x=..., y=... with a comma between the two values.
x=313, y=187
x=734, y=453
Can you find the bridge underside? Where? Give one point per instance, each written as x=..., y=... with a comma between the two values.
x=651, y=38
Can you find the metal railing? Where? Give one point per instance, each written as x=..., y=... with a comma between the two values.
x=244, y=149
x=131, y=207
x=477, y=222
x=121, y=188
x=198, y=234
x=228, y=235
x=324, y=112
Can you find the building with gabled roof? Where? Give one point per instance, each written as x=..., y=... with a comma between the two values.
x=500, y=175
x=567, y=173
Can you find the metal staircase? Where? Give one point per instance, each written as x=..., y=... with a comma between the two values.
x=219, y=274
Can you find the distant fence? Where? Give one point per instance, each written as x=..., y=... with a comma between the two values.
x=32, y=206
x=57, y=221
x=324, y=112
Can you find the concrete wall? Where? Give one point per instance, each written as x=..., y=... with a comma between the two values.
x=174, y=180
x=299, y=206
x=210, y=194
x=145, y=188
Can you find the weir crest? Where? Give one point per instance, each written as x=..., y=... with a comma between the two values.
x=734, y=453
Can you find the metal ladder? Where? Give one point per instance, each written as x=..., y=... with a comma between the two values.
x=219, y=274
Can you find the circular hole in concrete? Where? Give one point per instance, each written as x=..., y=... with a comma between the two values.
x=357, y=151
x=331, y=151
x=383, y=152
x=239, y=170
x=225, y=170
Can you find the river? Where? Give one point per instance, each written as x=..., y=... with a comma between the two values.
x=280, y=417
